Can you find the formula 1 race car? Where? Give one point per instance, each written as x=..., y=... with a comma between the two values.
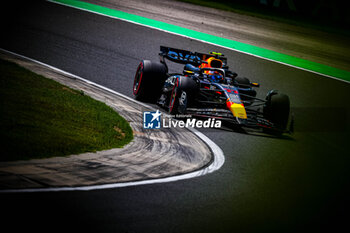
x=207, y=88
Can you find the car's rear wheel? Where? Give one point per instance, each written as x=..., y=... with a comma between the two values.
x=178, y=100
x=242, y=82
x=183, y=92
x=149, y=80
x=247, y=93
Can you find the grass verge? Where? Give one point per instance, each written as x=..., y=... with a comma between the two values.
x=40, y=118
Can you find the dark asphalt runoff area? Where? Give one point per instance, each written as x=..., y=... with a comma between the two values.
x=296, y=183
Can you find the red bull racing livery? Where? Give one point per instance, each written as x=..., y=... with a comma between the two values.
x=207, y=88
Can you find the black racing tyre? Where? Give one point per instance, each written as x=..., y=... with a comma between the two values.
x=242, y=82
x=178, y=102
x=149, y=80
x=182, y=94
x=245, y=89
x=277, y=109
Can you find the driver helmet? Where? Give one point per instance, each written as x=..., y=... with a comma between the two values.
x=212, y=62
x=216, y=77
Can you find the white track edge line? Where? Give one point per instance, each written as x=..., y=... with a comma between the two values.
x=203, y=41
x=216, y=164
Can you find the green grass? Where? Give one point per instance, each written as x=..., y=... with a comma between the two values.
x=40, y=118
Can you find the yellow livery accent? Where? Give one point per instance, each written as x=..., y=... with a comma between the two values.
x=238, y=110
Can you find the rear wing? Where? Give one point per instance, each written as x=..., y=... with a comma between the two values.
x=188, y=57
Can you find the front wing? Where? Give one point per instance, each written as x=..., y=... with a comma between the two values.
x=255, y=119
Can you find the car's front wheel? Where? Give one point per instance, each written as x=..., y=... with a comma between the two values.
x=182, y=94
x=277, y=109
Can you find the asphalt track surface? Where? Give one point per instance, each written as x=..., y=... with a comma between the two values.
x=267, y=184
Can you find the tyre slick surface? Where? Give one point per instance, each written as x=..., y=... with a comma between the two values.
x=149, y=80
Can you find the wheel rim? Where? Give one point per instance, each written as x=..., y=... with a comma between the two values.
x=182, y=102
